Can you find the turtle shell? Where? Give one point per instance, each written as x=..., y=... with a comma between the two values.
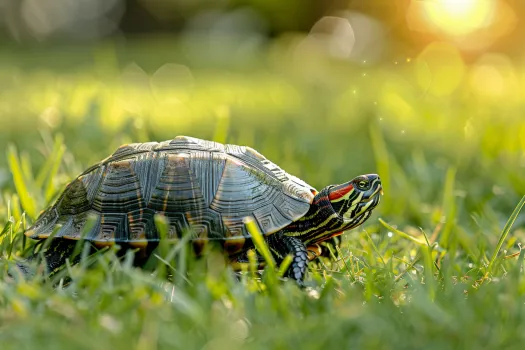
x=203, y=185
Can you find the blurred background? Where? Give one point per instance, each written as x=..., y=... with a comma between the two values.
x=426, y=92
x=375, y=30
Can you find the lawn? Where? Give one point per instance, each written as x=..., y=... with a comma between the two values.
x=438, y=265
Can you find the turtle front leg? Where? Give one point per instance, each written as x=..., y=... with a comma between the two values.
x=281, y=246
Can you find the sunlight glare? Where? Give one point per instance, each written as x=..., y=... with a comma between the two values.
x=460, y=17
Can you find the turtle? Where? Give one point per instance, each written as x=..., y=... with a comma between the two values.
x=204, y=189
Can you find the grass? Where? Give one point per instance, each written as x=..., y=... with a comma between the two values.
x=439, y=265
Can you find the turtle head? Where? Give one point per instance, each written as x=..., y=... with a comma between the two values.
x=353, y=201
x=338, y=208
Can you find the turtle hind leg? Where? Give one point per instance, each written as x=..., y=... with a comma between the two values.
x=58, y=251
x=55, y=256
x=283, y=245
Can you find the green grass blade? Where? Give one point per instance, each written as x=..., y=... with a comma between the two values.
x=22, y=187
x=375, y=248
x=50, y=169
x=57, y=160
x=505, y=232
x=259, y=242
x=6, y=228
x=449, y=206
x=161, y=223
x=27, y=169
x=43, y=174
x=401, y=233
x=284, y=265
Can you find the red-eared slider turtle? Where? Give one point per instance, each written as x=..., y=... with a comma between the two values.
x=204, y=188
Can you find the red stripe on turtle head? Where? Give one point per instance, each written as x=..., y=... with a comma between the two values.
x=339, y=191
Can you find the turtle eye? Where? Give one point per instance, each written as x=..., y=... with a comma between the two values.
x=363, y=184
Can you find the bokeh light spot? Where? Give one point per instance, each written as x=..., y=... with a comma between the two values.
x=333, y=35
x=439, y=69
x=493, y=76
x=172, y=83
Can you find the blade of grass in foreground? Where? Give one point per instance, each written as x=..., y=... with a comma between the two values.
x=22, y=188
x=47, y=171
x=56, y=160
x=283, y=267
x=448, y=207
x=259, y=242
x=426, y=252
x=401, y=233
x=505, y=232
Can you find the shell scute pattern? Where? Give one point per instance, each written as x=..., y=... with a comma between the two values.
x=208, y=169
x=126, y=151
x=75, y=199
x=269, y=216
x=194, y=183
x=292, y=186
x=191, y=143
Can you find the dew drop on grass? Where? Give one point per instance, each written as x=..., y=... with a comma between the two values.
x=390, y=234
x=314, y=294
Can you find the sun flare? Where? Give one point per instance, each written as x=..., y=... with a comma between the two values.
x=459, y=17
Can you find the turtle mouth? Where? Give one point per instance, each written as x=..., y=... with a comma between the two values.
x=365, y=206
x=368, y=199
x=359, y=218
x=375, y=195
x=371, y=202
